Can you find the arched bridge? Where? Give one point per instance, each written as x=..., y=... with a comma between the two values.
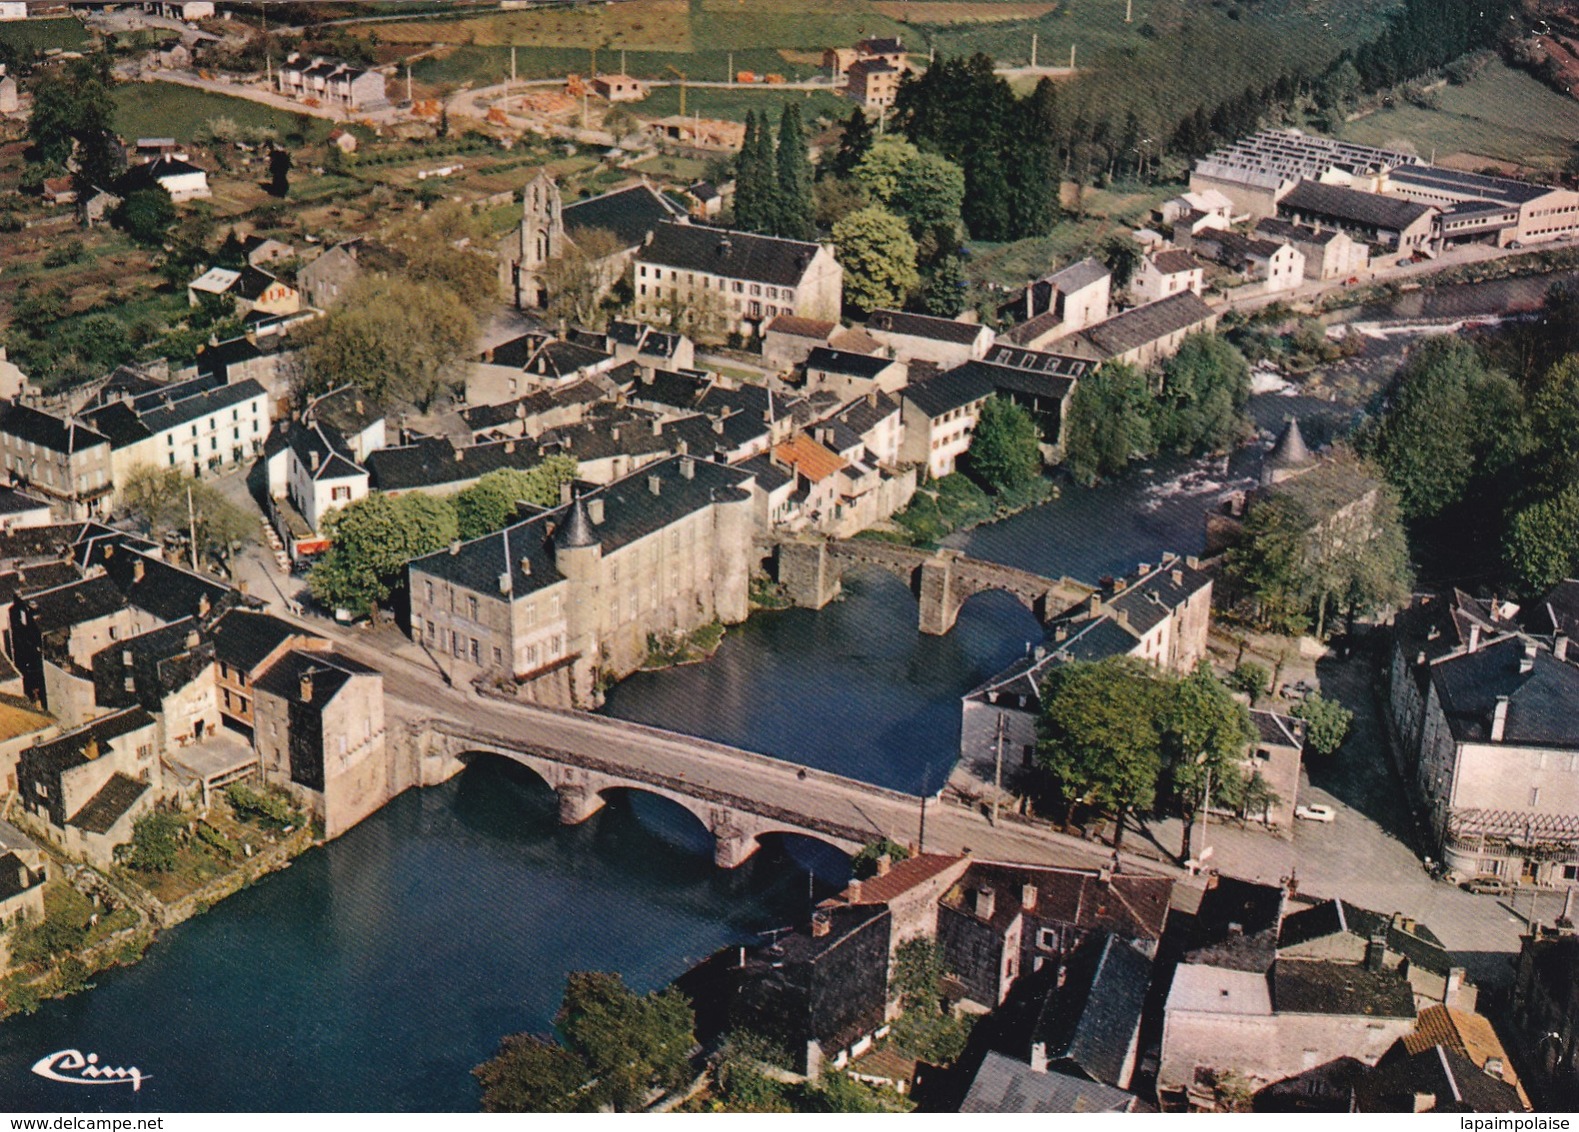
x=812, y=570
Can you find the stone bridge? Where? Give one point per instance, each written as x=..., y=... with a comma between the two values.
x=812, y=570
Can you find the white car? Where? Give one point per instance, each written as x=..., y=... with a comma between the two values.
x=1316, y=813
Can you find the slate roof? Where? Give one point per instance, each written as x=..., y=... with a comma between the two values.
x=1540, y=702
x=1289, y=232
x=346, y=410
x=29, y=424
x=100, y=813
x=1452, y=1080
x=1127, y=904
x=629, y=213
x=177, y=413
x=1304, y=986
x=866, y=413
x=953, y=389
x=433, y=461
x=1236, y=925
x=1004, y=1084
x=1078, y=275
x=770, y=477
x=1345, y=205
x=735, y=255
x=329, y=672
x=1174, y=261
x=1092, y=1016
x=558, y=358
x=73, y=604
x=54, y=756
x=1134, y=328
x=1150, y=597
x=1558, y=611
x=631, y=511
x=243, y=638
x=1278, y=730
x=333, y=458
x=1288, y=450
x=150, y=173
x=1499, y=189
x=14, y=502
x=799, y=327
x=16, y=877
x=867, y=366
x=1010, y=356
x=1332, y=917
x=118, y=422
x=924, y=326
x=162, y=661
x=167, y=591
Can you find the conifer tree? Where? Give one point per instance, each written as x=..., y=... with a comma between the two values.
x=795, y=205
x=853, y=144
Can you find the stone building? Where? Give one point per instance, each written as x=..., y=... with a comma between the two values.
x=1143, y=335
x=319, y=733
x=1329, y=252
x=1058, y=305
x=64, y=461
x=23, y=871
x=1165, y=273
x=570, y=595
x=736, y=281
x=946, y=342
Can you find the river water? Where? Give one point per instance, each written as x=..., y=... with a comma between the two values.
x=376, y=971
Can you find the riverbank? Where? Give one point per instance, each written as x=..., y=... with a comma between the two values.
x=1546, y=261
x=98, y=919
x=953, y=505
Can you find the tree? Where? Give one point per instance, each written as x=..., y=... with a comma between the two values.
x=470, y=276
x=1122, y=256
x=794, y=178
x=943, y=286
x=1205, y=732
x=1250, y=678
x=74, y=116
x=878, y=172
x=167, y=500
x=577, y=281
x=1542, y=543
x=632, y=1043
x=919, y=967
x=1100, y=734
x=1267, y=564
x=490, y=503
x=155, y=843
x=394, y=339
x=1109, y=422
x=879, y=259
x=372, y=540
x=756, y=179
x=854, y=141
x=530, y=1074
x=279, y=171
x=1326, y=723
x=1005, y=452
x=926, y=189
x=146, y=215
x=1205, y=388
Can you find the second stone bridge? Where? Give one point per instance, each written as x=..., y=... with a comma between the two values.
x=812, y=570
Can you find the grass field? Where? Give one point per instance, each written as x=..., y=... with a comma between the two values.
x=42, y=35
x=718, y=102
x=1502, y=114
x=1107, y=212
x=180, y=112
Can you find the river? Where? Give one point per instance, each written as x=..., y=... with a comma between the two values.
x=376, y=971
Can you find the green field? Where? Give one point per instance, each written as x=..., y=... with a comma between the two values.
x=181, y=112
x=1107, y=212
x=720, y=102
x=42, y=35
x=1502, y=114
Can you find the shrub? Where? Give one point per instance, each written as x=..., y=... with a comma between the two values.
x=1326, y=723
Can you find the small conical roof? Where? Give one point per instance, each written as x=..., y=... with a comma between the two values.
x=1289, y=450
x=577, y=528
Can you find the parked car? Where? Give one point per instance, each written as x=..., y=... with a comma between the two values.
x=1316, y=813
x=1491, y=884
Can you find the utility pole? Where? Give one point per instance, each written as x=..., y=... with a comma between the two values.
x=921, y=837
x=997, y=772
x=594, y=73
x=408, y=83
x=1129, y=11
x=623, y=71
x=191, y=526
x=1071, y=56
x=268, y=56
x=729, y=75
x=1033, y=51
x=512, y=62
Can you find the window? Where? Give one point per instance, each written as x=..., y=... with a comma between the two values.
x=1535, y=795
x=498, y=655
x=476, y=651
x=1047, y=939
x=471, y=608
x=429, y=586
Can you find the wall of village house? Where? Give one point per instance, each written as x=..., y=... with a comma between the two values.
x=89, y=637
x=1266, y=1047
x=851, y=516
x=1505, y=777
x=357, y=772
x=56, y=473
x=69, y=695
x=183, y=710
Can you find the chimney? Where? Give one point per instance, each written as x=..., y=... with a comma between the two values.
x=655, y=484
x=509, y=447
x=564, y=493
x=1493, y=1067
x=526, y=567
x=1105, y=873
x=821, y=924
x=455, y=547
x=307, y=688
x=1560, y=646
x=853, y=891
x=986, y=903
x=1038, y=1057
x=1527, y=658
x=1474, y=638
x=1376, y=952
x=1028, y=897
x=312, y=458
x=138, y=569
x=359, y=407
x=688, y=467
x=193, y=639
x=1178, y=577
x=1566, y=919
x=657, y=427
x=884, y=864
x=1455, y=979
x=595, y=511
x=871, y=398
x=1499, y=719
x=202, y=605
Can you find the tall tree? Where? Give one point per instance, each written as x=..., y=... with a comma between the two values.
x=490, y=503
x=756, y=179
x=879, y=259
x=631, y=1042
x=372, y=540
x=854, y=140
x=1109, y=422
x=796, y=206
x=531, y=1074
x=1205, y=732
x=1101, y=735
x=1004, y=450
x=1205, y=388
x=1268, y=564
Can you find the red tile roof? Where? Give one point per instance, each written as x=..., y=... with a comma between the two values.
x=901, y=878
x=808, y=457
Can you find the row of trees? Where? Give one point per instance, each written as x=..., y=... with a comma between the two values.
x=1194, y=402
x=1482, y=437
x=1119, y=735
x=374, y=538
x=773, y=187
